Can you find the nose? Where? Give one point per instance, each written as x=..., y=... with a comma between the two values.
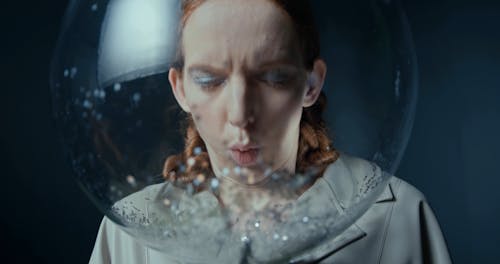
x=241, y=104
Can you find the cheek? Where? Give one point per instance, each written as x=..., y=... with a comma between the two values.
x=281, y=105
x=207, y=111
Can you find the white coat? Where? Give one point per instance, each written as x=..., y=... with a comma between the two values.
x=398, y=228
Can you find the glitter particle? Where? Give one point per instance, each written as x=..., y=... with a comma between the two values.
x=166, y=202
x=225, y=171
x=284, y=238
x=94, y=7
x=257, y=224
x=276, y=236
x=305, y=219
x=237, y=170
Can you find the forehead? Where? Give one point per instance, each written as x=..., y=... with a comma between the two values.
x=239, y=31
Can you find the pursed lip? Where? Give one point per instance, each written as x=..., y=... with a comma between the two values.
x=244, y=147
x=245, y=154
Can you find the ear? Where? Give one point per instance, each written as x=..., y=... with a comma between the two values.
x=175, y=79
x=315, y=80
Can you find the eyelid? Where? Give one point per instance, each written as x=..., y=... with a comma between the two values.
x=276, y=75
x=206, y=79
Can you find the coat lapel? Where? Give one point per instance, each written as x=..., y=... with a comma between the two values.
x=345, y=178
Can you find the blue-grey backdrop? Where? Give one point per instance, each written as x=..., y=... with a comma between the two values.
x=453, y=155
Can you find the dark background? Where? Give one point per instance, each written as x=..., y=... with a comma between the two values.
x=453, y=155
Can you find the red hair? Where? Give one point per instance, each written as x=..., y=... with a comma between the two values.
x=315, y=149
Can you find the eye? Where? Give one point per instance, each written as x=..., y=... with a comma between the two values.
x=207, y=80
x=276, y=77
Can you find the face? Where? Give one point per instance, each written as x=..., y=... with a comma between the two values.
x=245, y=84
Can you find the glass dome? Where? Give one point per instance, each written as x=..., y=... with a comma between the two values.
x=119, y=122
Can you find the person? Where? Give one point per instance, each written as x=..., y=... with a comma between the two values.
x=250, y=78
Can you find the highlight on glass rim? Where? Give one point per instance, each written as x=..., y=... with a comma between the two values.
x=243, y=131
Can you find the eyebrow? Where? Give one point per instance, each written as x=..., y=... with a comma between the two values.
x=262, y=66
x=204, y=68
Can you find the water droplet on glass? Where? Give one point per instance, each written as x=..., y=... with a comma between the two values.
x=73, y=72
x=245, y=239
x=136, y=97
x=131, y=180
x=214, y=183
x=189, y=189
x=102, y=94
x=117, y=87
x=200, y=178
x=268, y=172
x=191, y=161
x=87, y=104
x=397, y=83
x=197, y=151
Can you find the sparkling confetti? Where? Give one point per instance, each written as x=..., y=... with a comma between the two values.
x=305, y=219
x=225, y=171
x=166, y=202
x=66, y=73
x=284, y=238
x=237, y=170
x=117, y=87
x=94, y=7
x=276, y=236
x=191, y=161
x=257, y=224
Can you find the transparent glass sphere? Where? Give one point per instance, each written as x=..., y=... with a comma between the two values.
x=119, y=121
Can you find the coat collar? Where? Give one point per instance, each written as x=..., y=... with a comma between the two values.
x=345, y=178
